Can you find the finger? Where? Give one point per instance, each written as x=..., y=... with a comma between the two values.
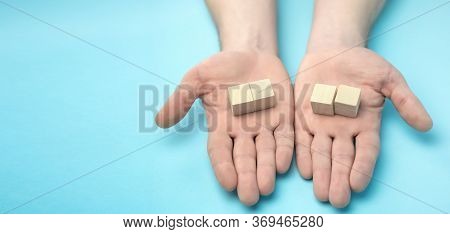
x=367, y=148
x=321, y=158
x=220, y=148
x=342, y=154
x=244, y=155
x=180, y=101
x=284, y=138
x=406, y=103
x=266, y=168
x=303, y=151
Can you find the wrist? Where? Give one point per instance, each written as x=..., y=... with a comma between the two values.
x=246, y=25
x=327, y=37
x=342, y=23
x=248, y=38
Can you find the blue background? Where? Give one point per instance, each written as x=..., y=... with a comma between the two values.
x=68, y=109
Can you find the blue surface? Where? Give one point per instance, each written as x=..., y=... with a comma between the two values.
x=67, y=108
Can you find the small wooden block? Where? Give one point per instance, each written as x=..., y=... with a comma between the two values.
x=322, y=99
x=251, y=97
x=347, y=101
x=263, y=94
x=241, y=99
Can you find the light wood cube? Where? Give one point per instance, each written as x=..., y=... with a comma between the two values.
x=322, y=99
x=251, y=97
x=241, y=99
x=263, y=94
x=347, y=101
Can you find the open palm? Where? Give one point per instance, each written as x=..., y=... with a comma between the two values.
x=340, y=153
x=246, y=151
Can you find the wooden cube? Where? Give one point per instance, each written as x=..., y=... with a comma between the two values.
x=251, y=97
x=322, y=99
x=347, y=101
x=263, y=94
x=241, y=99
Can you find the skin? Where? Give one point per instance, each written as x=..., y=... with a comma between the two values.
x=340, y=153
x=245, y=151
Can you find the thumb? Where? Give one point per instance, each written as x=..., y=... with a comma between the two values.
x=406, y=103
x=179, y=103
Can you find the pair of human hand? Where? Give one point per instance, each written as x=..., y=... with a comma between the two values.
x=338, y=153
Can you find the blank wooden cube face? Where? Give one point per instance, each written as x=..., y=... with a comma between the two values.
x=347, y=101
x=263, y=94
x=322, y=99
x=241, y=99
x=251, y=97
